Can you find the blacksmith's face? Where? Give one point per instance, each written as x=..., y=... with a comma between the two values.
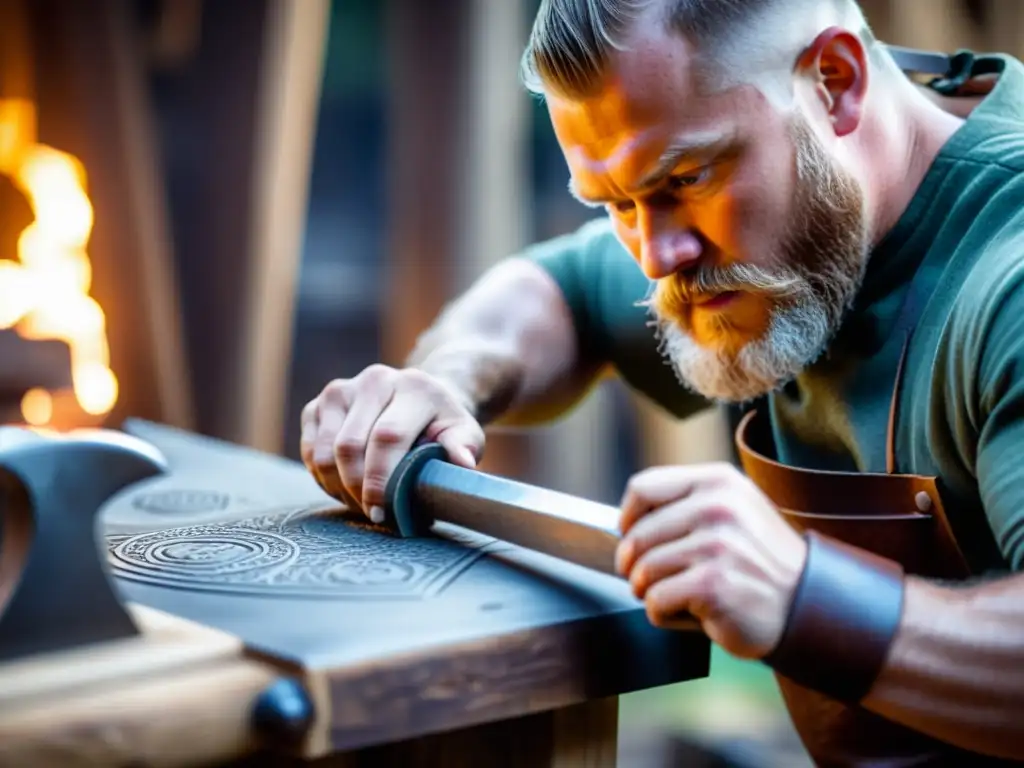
x=752, y=233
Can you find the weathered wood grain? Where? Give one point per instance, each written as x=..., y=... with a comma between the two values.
x=179, y=694
x=92, y=102
x=580, y=736
x=398, y=638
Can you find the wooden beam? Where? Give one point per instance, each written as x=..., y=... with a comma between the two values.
x=237, y=127
x=1004, y=27
x=426, y=115
x=292, y=71
x=176, y=34
x=578, y=736
x=15, y=52
x=92, y=103
x=178, y=694
x=451, y=214
x=494, y=205
x=940, y=25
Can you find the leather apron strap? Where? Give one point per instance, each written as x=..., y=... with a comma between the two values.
x=850, y=506
x=899, y=517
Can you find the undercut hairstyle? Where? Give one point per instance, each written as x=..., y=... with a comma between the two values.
x=734, y=41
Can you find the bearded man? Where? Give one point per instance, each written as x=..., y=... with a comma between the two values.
x=793, y=222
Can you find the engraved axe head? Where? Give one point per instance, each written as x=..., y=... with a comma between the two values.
x=55, y=591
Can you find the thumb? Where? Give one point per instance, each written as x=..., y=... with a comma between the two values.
x=463, y=444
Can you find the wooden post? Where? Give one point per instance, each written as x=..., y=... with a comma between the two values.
x=940, y=25
x=237, y=125
x=426, y=45
x=457, y=125
x=1004, y=28
x=495, y=219
x=91, y=101
x=292, y=65
x=494, y=215
x=578, y=736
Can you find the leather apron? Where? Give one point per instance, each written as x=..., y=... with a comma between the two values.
x=897, y=516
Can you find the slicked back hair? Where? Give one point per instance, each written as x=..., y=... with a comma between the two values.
x=735, y=40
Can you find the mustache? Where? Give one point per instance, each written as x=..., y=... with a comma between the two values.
x=679, y=290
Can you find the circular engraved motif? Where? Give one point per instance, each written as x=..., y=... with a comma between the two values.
x=297, y=552
x=211, y=552
x=201, y=552
x=181, y=502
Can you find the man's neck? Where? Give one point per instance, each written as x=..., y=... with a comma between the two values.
x=904, y=132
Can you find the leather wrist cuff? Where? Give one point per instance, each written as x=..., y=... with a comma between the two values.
x=845, y=612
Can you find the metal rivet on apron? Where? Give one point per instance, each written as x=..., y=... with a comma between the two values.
x=923, y=501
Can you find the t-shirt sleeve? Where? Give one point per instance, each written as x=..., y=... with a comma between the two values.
x=602, y=286
x=998, y=338
x=576, y=263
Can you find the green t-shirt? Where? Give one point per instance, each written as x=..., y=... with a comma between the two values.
x=961, y=415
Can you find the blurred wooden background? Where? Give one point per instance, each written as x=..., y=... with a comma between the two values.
x=200, y=124
x=286, y=191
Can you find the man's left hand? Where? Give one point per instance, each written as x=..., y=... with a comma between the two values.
x=703, y=539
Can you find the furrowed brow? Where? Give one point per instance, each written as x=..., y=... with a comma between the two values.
x=697, y=145
x=703, y=144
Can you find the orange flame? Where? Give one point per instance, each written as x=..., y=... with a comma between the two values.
x=44, y=294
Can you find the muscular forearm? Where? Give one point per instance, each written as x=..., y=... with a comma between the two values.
x=507, y=346
x=956, y=666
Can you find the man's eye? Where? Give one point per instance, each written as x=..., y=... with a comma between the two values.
x=692, y=179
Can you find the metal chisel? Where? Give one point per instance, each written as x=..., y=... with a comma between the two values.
x=426, y=487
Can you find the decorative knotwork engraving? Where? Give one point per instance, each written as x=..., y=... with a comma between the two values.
x=295, y=553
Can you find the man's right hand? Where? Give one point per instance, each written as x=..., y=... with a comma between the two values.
x=357, y=430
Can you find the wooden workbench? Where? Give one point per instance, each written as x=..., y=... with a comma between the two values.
x=449, y=650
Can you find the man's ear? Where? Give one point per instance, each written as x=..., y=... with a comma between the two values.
x=836, y=63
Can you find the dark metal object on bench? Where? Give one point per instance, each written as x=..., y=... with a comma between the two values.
x=55, y=592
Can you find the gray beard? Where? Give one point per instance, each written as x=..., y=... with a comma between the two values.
x=797, y=334
x=827, y=252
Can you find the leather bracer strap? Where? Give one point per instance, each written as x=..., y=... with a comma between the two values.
x=844, y=614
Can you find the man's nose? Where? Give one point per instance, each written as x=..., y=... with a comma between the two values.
x=666, y=253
